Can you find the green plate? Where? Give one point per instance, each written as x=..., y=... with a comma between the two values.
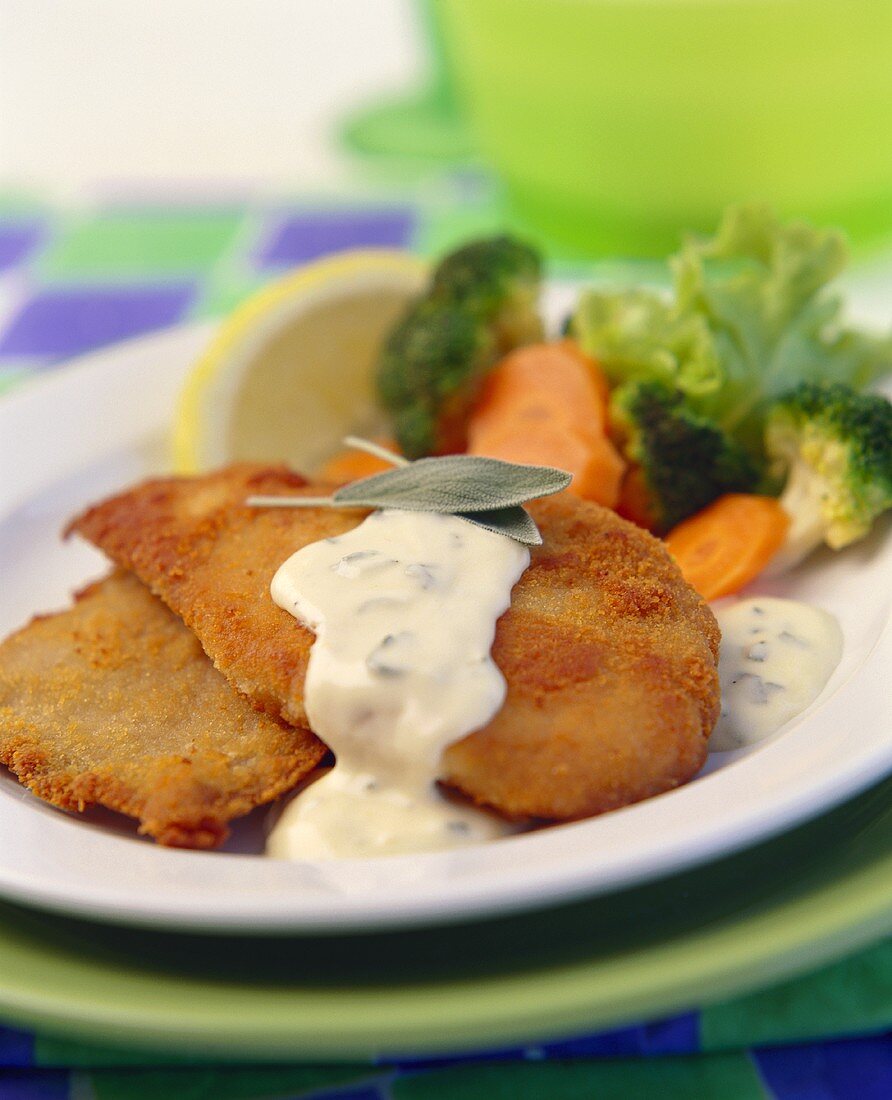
x=417, y=128
x=762, y=915
x=427, y=126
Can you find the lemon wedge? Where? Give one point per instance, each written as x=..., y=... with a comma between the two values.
x=290, y=371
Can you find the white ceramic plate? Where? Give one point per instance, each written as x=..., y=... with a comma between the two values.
x=100, y=424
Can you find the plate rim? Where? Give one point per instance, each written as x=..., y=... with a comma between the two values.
x=738, y=954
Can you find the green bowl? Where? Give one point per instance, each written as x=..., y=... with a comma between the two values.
x=616, y=124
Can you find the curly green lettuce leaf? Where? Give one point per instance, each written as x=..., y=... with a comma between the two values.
x=638, y=335
x=751, y=316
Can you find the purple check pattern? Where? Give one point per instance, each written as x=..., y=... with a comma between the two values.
x=55, y=310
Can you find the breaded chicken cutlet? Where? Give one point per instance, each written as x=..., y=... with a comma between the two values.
x=114, y=703
x=609, y=655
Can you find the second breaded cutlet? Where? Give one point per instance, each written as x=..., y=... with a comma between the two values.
x=113, y=702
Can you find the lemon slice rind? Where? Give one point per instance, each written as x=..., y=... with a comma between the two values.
x=342, y=304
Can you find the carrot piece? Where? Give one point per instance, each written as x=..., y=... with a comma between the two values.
x=596, y=467
x=601, y=476
x=597, y=375
x=350, y=465
x=544, y=381
x=543, y=405
x=634, y=499
x=728, y=543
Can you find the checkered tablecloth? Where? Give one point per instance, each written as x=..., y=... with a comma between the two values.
x=75, y=280
x=753, y=1048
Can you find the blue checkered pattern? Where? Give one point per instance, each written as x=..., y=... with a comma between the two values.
x=70, y=283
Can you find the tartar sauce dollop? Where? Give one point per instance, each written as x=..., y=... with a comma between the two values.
x=404, y=608
x=775, y=658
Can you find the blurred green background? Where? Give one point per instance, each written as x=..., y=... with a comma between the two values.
x=614, y=125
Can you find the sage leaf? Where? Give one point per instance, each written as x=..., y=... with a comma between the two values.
x=485, y=491
x=454, y=484
x=515, y=522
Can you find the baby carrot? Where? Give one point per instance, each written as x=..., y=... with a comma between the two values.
x=544, y=405
x=634, y=499
x=544, y=382
x=728, y=543
x=350, y=465
x=592, y=464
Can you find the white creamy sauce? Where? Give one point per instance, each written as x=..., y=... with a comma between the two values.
x=775, y=658
x=404, y=609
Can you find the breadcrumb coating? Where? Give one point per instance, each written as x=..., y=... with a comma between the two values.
x=114, y=703
x=609, y=655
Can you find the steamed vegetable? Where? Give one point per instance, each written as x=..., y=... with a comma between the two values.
x=661, y=405
x=640, y=335
x=546, y=404
x=682, y=460
x=498, y=280
x=351, y=464
x=835, y=447
x=750, y=317
x=728, y=544
x=480, y=304
x=429, y=374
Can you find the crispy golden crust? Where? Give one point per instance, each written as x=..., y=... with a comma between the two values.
x=114, y=703
x=211, y=559
x=610, y=660
x=609, y=655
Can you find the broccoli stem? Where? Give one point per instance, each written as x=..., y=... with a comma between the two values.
x=801, y=500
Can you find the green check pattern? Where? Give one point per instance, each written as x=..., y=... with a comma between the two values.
x=73, y=281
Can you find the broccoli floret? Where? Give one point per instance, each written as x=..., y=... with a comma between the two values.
x=429, y=374
x=686, y=460
x=481, y=303
x=498, y=279
x=835, y=447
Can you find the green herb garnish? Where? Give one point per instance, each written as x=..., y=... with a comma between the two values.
x=485, y=491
